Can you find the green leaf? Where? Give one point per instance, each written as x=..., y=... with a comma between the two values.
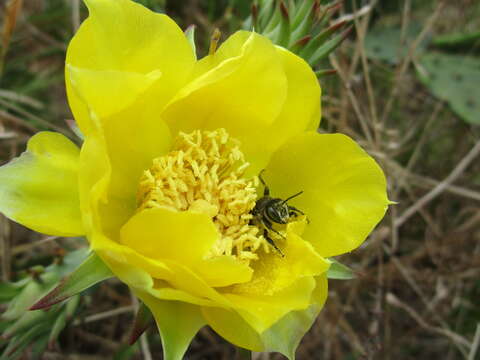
x=57, y=327
x=28, y=319
x=72, y=306
x=19, y=343
x=29, y=294
x=303, y=12
x=8, y=291
x=339, y=271
x=323, y=51
x=90, y=272
x=126, y=352
x=69, y=262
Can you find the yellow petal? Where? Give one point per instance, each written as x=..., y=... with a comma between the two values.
x=107, y=92
x=185, y=237
x=133, y=139
x=344, y=189
x=241, y=88
x=232, y=327
x=167, y=293
x=285, y=335
x=275, y=273
x=224, y=271
x=40, y=188
x=121, y=35
x=262, y=311
x=301, y=110
x=112, y=162
x=320, y=294
x=142, y=273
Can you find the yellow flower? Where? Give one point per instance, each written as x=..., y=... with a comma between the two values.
x=166, y=180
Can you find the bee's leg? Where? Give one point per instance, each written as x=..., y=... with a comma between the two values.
x=271, y=242
x=269, y=226
x=293, y=211
x=266, y=190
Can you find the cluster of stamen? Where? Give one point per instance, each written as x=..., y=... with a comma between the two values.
x=205, y=172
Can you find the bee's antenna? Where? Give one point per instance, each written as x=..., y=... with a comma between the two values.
x=291, y=197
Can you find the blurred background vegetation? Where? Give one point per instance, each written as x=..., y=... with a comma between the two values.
x=407, y=87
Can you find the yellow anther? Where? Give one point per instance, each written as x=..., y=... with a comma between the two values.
x=204, y=173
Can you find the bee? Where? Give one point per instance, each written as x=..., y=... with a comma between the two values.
x=269, y=210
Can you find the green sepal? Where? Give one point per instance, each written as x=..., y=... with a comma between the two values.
x=339, y=271
x=285, y=335
x=178, y=322
x=90, y=272
x=190, y=34
x=143, y=319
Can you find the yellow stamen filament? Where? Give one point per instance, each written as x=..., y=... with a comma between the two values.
x=205, y=173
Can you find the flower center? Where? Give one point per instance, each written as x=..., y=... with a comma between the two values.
x=204, y=172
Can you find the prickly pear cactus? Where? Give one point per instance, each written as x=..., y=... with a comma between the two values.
x=458, y=41
x=456, y=80
x=385, y=43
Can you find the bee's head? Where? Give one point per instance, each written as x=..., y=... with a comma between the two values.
x=278, y=211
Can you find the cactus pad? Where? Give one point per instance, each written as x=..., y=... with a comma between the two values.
x=456, y=80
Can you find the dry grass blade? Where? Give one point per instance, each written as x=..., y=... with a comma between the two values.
x=75, y=14
x=475, y=344
x=407, y=60
x=457, y=339
x=104, y=315
x=12, y=11
x=459, y=169
x=6, y=248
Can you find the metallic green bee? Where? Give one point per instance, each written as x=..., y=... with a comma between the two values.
x=269, y=211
